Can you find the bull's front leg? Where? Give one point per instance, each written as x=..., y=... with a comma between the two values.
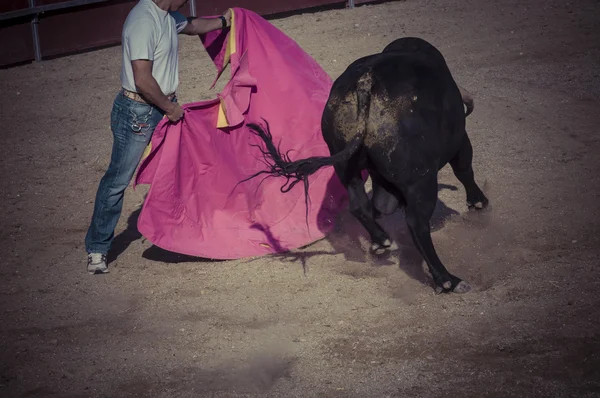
x=462, y=166
x=421, y=199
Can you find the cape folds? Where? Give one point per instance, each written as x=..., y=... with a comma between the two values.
x=196, y=204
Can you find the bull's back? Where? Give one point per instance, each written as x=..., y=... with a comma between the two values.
x=383, y=89
x=401, y=104
x=406, y=110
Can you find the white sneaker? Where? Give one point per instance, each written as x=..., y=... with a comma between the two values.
x=96, y=263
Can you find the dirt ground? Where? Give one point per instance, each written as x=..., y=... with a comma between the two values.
x=330, y=321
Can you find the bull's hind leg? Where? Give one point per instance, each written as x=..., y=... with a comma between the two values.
x=361, y=207
x=421, y=199
x=462, y=165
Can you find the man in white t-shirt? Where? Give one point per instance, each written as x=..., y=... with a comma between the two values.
x=149, y=79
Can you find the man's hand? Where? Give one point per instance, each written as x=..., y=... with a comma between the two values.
x=175, y=112
x=200, y=26
x=227, y=16
x=149, y=89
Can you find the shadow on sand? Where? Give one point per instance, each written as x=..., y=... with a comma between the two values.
x=348, y=234
x=345, y=238
x=153, y=253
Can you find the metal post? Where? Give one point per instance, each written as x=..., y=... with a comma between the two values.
x=350, y=3
x=34, y=33
x=193, y=8
x=33, y=10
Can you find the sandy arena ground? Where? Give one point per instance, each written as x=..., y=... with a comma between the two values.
x=345, y=325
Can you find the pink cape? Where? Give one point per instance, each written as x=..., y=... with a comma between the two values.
x=195, y=205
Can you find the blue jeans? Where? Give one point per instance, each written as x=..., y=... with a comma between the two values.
x=132, y=124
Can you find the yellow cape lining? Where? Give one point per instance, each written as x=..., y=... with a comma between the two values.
x=229, y=50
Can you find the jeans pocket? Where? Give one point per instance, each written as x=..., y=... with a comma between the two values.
x=141, y=117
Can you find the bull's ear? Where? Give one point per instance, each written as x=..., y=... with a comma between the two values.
x=467, y=99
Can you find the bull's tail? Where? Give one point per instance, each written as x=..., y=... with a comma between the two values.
x=280, y=165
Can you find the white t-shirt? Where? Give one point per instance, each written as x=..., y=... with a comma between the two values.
x=151, y=33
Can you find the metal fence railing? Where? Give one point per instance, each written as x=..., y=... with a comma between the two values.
x=43, y=30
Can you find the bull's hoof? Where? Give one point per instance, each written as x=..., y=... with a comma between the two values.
x=478, y=204
x=446, y=287
x=381, y=248
x=462, y=287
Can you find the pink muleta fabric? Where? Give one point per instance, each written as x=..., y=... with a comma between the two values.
x=194, y=205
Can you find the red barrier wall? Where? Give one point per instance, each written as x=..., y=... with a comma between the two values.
x=87, y=27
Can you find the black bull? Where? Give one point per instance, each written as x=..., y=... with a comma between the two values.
x=400, y=115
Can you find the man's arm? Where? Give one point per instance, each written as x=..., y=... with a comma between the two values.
x=200, y=26
x=140, y=41
x=148, y=87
